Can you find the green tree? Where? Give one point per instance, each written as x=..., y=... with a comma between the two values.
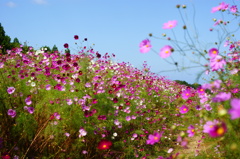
x=5, y=41
x=15, y=43
x=54, y=48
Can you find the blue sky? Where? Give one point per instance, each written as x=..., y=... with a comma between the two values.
x=114, y=26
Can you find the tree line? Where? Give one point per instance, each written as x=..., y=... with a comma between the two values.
x=7, y=44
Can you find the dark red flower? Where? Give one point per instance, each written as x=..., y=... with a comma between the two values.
x=76, y=37
x=115, y=100
x=104, y=144
x=65, y=45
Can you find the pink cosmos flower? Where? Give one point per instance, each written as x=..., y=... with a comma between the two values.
x=169, y=24
x=191, y=131
x=235, y=110
x=184, y=109
x=223, y=6
x=166, y=51
x=222, y=96
x=213, y=52
x=200, y=90
x=218, y=130
x=186, y=94
x=233, y=9
x=1, y=64
x=12, y=113
x=10, y=90
x=152, y=139
x=29, y=109
x=209, y=126
x=145, y=46
x=28, y=101
x=217, y=63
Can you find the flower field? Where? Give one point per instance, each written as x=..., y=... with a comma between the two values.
x=85, y=105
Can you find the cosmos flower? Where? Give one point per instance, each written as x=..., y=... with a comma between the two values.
x=222, y=96
x=104, y=144
x=218, y=130
x=217, y=63
x=166, y=51
x=29, y=109
x=169, y=24
x=186, y=94
x=12, y=113
x=10, y=90
x=82, y=132
x=184, y=109
x=235, y=110
x=233, y=9
x=213, y=52
x=191, y=131
x=209, y=126
x=145, y=46
x=152, y=139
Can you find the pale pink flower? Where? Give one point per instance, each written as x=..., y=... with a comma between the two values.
x=169, y=24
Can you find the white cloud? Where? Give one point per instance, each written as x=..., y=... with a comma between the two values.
x=11, y=4
x=40, y=1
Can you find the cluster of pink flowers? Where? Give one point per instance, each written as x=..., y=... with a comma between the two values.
x=223, y=7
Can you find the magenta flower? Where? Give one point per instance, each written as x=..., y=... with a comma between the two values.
x=233, y=9
x=102, y=117
x=213, y=52
x=145, y=46
x=169, y=24
x=200, y=90
x=222, y=96
x=215, y=9
x=235, y=110
x=29, y=109
x=186, y=94
x=152, y=139
x=184, y=109
x=10, y=90
x=12, y=113
x=209, y=126
x=166, y=51
x=223, y=6
x=217, y=63
x=191, y=131
x=218, y=130
x=28, y=101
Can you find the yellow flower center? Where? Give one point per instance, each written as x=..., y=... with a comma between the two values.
x=220, y=131
x=155, y=138
x=193, y=130
x=214, y=52
x=185, y=109
x=167, y=52
x=147, y=45
x=104, y=146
